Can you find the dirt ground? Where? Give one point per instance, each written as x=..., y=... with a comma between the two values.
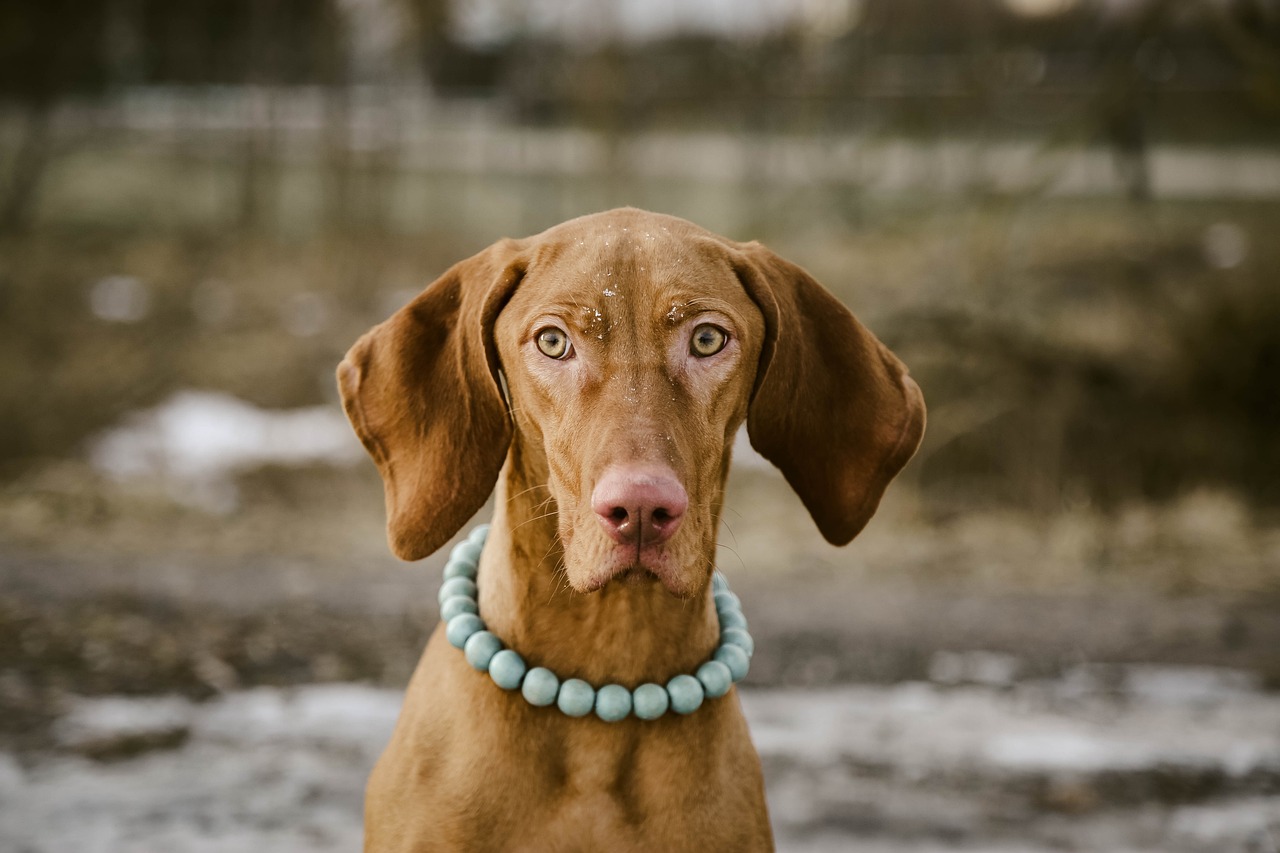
x=999, y=683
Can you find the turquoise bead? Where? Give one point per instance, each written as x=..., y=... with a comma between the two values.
x=727, y=601
x=460, y=628
x=576, y=698
x=613, y=703
x=716, y=678
x=686, y=694
x=540, y=686
x=740, y=638
x=480, y=649
x=457, y=586
x=729, y=619
x=479, y=534
x=650, y=701
x=719, y=583
x=734, y=658
x=457, y=604
x=466, y=551
x=459, y=569
x=507, y=669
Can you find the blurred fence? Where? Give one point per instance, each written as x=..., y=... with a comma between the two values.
x=330, y=111
x=405, y=162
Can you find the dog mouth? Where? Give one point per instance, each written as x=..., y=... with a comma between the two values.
x=633, y=576
x=631, y=566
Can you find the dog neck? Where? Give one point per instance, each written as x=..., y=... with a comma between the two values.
x=624, y=633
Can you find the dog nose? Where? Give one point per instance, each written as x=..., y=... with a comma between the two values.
x=644, y=505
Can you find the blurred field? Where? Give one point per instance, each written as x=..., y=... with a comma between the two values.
x=1130, y=350
x=1099, y=379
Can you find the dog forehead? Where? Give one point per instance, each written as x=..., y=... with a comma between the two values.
x=621, y=263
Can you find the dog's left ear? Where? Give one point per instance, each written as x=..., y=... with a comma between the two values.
x=422, y=392
x=833, y=408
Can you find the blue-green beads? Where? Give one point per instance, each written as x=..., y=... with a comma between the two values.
x=650, y=701
x=540, y=687
x=460, y=628
x=457, y=586
x=613, y=703
x=507, y=669
x=576, y=698
x=457, y=604
x=734, y=658
x=727, y=601
x=480, y=649
x=728, y=619
x=459, y=569
x=716, y=679
x=686, y=694
x=466, y=551
x=740, y=638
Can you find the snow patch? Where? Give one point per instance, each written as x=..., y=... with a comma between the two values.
x=198, y=440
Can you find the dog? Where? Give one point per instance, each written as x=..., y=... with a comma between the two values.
x=596, y=375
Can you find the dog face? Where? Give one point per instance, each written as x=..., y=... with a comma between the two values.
x=634, y=345
x=630, y=354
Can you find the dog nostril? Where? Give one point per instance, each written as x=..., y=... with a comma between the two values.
x=618, y=514
x=660, y=514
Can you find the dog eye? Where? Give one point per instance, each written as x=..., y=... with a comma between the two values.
x=553, y=342
x=708, y=340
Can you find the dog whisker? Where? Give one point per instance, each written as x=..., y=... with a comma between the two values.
x=733, y=552
x=511, y=498
x=534, y=518
x=729, y=529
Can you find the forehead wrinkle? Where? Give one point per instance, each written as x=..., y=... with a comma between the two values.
x=605, y=290
x=674, y=304
x=581, y=314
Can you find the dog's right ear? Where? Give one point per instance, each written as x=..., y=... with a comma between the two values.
x=422, y=392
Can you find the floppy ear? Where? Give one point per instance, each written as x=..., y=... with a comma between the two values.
x=832, y=407
x=422, y=392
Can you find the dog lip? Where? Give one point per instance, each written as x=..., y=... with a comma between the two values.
x=633, y=576
x=632, y=566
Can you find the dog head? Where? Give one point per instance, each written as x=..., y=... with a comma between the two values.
x=632, y=346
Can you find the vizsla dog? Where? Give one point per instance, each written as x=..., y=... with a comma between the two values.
x=596, y=374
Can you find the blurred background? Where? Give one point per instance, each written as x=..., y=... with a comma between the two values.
x=1062, y=631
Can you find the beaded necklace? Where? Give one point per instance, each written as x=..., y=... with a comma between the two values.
x=683, y=694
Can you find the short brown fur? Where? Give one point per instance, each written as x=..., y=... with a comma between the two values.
x=471, y=767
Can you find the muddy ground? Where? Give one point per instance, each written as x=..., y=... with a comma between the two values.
x=1000, y=683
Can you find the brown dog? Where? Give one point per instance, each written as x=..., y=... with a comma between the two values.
x=633, y=346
